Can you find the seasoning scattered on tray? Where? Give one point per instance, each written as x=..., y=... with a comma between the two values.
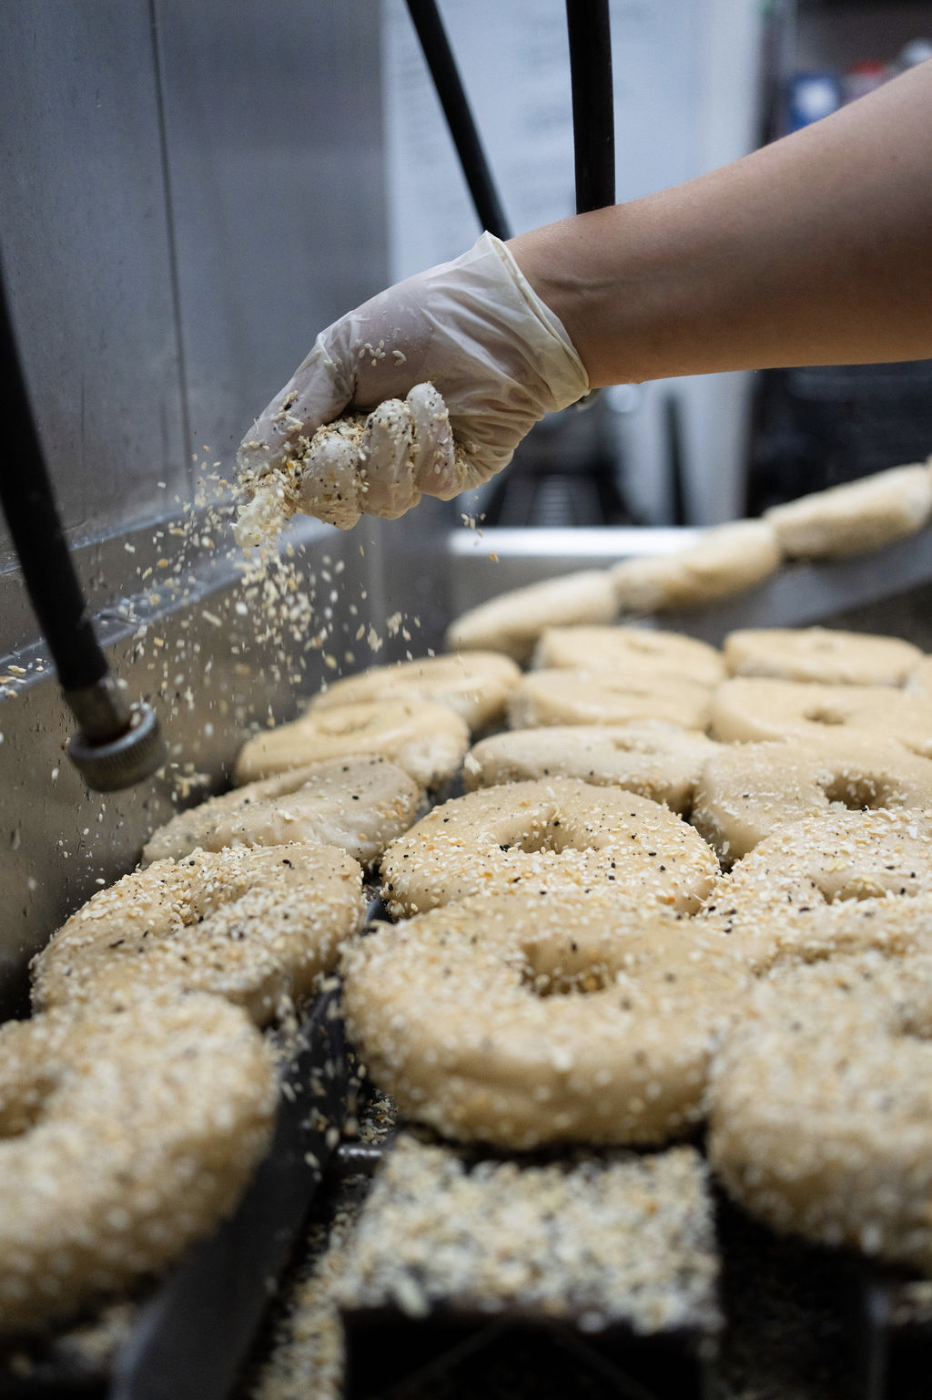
x=601, y=1240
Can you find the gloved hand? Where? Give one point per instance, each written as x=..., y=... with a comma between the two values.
x=468, y=345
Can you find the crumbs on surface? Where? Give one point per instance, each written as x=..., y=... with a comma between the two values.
x=614, y=1238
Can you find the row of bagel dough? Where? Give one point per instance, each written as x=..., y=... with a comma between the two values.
x=138, y=1099
x=861, y=737
x=660, y=1085
x=838, y=523
x=252, y=926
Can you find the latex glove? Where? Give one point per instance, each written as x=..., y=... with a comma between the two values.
x=469, y=339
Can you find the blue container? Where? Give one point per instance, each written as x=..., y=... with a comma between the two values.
x=810, y=96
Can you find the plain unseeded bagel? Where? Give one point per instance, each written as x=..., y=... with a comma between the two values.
x=253, y=926
x=476, y=684
x=726, y=559
x=657, y=760
x=745, y=791
x=124, y=1136
x=560, y=833
x=522, y=1020
x=513, y=621
x=840, y=856
x=820, y=654
x=427, y=740
x=622, y=649
x=821, y=1105
x=561, y=696
x=855, y=517
x=746, y=709
x=358, y=804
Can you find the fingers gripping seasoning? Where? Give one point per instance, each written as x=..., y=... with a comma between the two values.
x=377, y=463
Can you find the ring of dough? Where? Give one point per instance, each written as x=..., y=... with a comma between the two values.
x=521, y=1020
x=425, y=739
x=724, y=560
x=821, y=1106
x=746, y=709
x=830, y=859
x=819, y=654
x=659, y=761
x=920, y=678
x=544, y=836
x=747, y=790
x=474, y=684
x=513, y=621
x=561, y=696
x=122, y=1138
x=253, y=926
x=358, y=804
x=855, y=517
x=623, y=648
x=895, y=927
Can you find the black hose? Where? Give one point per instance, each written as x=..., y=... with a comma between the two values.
x=29, y=505
x=593, y=108
x=439, y=58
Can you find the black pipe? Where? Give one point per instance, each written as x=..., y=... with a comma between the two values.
x=593, y=107
x=29, y=506
x=117, y=744
x=439, y=58
x=673, y=425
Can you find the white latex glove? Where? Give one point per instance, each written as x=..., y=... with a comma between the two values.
x=467, y=345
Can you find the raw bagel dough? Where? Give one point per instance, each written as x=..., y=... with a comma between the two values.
x=919, y=680
x=123, y=1137
x=831, y=859
x=747, y=790
x=542, y=836
x=820, y=654
x=855, y=517
x=475, y=684
x=896, y=927
x=513, y=621
x=522, y=1019
x=660, y=761
x=821, y=1105
x=358, y=804
x=746, y=709
x=561, y=696
x=253, y=926
x=425, y=739
x=637, y=649
x=726, y=559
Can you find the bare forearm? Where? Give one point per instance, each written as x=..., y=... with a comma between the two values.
x=814, y=250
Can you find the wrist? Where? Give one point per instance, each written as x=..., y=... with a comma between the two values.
x=568, y=266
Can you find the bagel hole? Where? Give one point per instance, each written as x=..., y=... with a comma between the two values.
x=545, y=839
x=25, y=1111
x=912, y=1021
x=858, y=891
x=572, y=976
x=624, y=745
x=857, y=793
x=823, y=715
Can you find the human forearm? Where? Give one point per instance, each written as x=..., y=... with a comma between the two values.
x=816, y=249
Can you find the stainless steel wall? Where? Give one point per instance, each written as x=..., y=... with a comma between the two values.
x=188, y=192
